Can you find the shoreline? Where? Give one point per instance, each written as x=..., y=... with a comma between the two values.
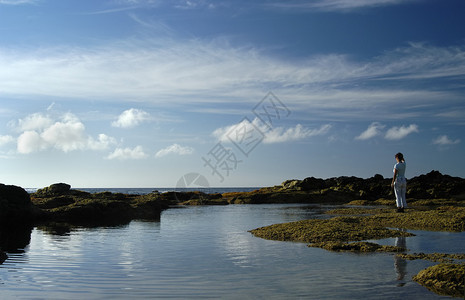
x=437, y=202
x=59, y=202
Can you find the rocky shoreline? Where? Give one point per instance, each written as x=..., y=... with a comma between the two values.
x=60, y=203
x=439, y=202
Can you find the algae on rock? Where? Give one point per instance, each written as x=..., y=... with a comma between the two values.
x=443, y=279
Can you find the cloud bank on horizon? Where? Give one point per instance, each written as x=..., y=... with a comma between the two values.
x=158, y=83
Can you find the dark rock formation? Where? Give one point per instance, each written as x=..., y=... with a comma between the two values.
x=3, y=256
x=345, y=189
x=435, y=185
x=54, y=190
x=59, y=203
x=15, y=204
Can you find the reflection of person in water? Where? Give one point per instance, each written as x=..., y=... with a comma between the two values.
x=399, y=263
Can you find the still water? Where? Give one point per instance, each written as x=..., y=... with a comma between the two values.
x=207, y=252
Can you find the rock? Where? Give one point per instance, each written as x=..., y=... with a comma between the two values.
x=55, y=189
x=312, y=183
x=443, y=279
x=290, y=184
x=3, y=257
x=58, y=203
x=15, y=204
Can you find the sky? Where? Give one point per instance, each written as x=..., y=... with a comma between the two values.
x=196, y=93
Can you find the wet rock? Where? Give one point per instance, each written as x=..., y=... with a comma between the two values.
x=15, y=204
x=435, y=257
x=3, y=256
x=443, y=279
x=338, y=229
x=356, y=247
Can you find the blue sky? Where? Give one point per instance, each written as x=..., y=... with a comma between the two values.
x=139, y=93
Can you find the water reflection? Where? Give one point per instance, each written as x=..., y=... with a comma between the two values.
x=15, y=238
x=399, y=263
x=201, y=252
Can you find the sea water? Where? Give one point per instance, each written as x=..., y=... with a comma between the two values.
x=207, y=252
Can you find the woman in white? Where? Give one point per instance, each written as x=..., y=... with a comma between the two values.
x=399, y=183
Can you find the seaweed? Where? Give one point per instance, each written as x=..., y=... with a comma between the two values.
x=443, y=279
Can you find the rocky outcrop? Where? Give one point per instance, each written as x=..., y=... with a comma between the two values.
x=60, y=203
x=433, y=185
x=443, y=279
x=3, y=256
x=15, y=204
x=54, y=190
x=346, y=189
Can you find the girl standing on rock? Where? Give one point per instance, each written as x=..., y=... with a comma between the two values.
x=399, y=183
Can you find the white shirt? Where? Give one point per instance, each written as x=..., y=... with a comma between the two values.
x=400, y=167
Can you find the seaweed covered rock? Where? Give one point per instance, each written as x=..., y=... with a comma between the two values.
x=106, y=207
x=443, y=279
x=338, y=229
x=55, y=189
x=338, y=246
x=15, y=204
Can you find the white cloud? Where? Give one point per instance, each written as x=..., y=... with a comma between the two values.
x=397, y=133
x=68, y=134
x=175, y=149
x=103, y=142
x=131, y=118
x=128, y=153
x=270, y=136
x=444, y=140
x=36, y=121
x=373, y=130
x=6, y=139
x=30, y=141
x=281, y=135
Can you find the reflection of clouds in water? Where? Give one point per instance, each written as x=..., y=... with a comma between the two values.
x=135, y=244
x=399, y=263
x=239, y=248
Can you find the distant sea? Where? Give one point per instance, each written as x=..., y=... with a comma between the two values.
x=144, y=191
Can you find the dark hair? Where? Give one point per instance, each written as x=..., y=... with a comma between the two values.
x=400, y=156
